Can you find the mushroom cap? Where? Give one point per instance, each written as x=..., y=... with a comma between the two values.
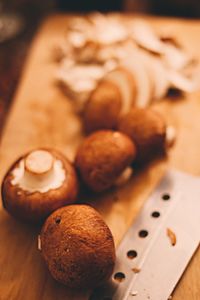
x=102, y=158
x=102, y=110
x=35, y=206
x=147, y=128
x=78, y=247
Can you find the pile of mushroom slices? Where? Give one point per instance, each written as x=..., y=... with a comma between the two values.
x=139, y=65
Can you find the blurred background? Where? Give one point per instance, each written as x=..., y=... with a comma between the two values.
x=19, y=20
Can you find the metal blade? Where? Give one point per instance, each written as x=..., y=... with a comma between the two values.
x=158, y=246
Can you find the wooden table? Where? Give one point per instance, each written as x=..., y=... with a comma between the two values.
x=42, y=116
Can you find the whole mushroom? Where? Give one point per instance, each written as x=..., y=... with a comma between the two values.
x=78, y=247
x=104, y=158
x=38, y=183
x=149, y=131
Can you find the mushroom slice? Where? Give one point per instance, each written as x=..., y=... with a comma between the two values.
x=138, y=69
x=88, y=53
x=161, y=83
x=145, y=37
x=113, y=33
x=170, y=137
x=79, y=24
x=78, y=81
x=123, y=78
x=157, y=74
x=175, y=58
x=108, y=30
x=182, y=83
x=76, y=39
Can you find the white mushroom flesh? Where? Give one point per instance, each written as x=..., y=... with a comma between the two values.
x=145, y=37
x=39, y=246
x=124, y=177
x=120, y=79
x=181, y=82
x=142, y=79
x=170, y=136
x=38, y=173
x=109, y=41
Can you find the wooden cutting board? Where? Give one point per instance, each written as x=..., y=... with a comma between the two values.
x=42, y=116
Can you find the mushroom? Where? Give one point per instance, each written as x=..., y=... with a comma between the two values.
x=145, y=37
x=38, y=183
x=113, y=97
x=158, y=75
x=79, y=80
x=138, y=68
x=103, y=157
x=149, y=132
x=78, y=247
x=102, y=111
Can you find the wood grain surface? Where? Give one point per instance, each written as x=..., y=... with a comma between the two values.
x=42, y=116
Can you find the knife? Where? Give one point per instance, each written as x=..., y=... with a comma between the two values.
x=159, y=244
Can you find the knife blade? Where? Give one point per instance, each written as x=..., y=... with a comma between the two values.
x=159, y=244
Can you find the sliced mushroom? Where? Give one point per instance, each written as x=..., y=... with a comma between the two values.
x=124, y=79
x=135, y=64
x=113, y=97
x=102, y=110
x=108, y=30
x=78, y=81
x=38, y=183
x=103, y=157
x=175, y=58
x=181, y=82
x=170, y=136
x=142, y=64
x=157, y=74
x=145, y=37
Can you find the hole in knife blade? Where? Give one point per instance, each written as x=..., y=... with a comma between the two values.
x=119, y=276
x=143, y=233
x=166, y=197
x=155, y=214
x=131, y=254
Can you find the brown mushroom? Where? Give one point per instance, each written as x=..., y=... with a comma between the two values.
x=103, y=108
x=78, y=247
x=103, y=157
x=148, y=129
x=39, y=183
x=113, y=97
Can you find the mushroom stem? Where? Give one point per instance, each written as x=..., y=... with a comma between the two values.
x=38, y=168
x=39, y=243
x=124, y=177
